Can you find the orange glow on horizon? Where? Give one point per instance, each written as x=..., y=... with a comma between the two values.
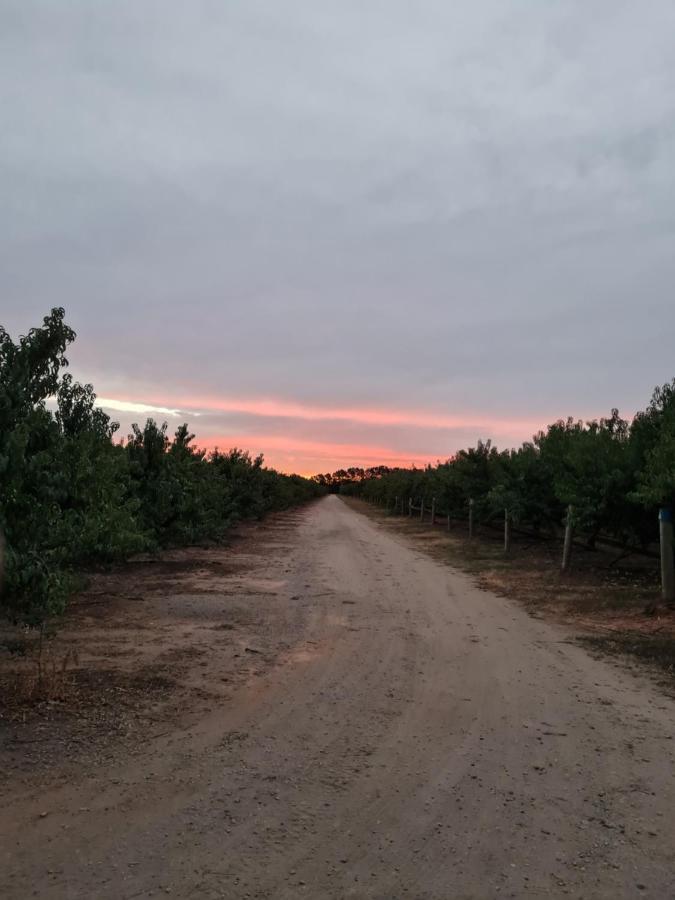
x=291, y=454
x=282, y=452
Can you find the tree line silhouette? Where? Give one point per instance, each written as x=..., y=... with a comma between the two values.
x=70, y=495
x=615, y=474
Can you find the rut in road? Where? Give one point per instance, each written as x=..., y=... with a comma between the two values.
x=422, y=739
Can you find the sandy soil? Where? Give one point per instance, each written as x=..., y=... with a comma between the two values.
x=396, y=732
x=609, y=598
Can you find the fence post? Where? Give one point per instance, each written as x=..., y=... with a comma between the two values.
x=470, y=518
x=422, y=509
x=667, y=567
x=409, y=507
x=569, y=533
x=448, y=520
x=395, y=504
x=433, y=510
x=507, y=532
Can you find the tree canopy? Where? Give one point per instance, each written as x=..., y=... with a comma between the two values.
x=71, y=496
x=614, y=473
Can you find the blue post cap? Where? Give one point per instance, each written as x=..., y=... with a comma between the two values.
x=665, y=514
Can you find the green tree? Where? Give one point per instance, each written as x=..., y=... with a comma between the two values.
x=653, y=449
x=588, y=463
x=71, y=496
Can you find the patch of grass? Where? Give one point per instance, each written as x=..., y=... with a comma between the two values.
x=657, y=650
x=43, y=677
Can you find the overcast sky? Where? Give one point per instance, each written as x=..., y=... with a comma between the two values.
x=351, y=231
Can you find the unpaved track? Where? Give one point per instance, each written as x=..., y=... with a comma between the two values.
x=424, y=739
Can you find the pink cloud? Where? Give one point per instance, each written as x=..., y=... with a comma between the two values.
x=279, y=408
x=290, y=452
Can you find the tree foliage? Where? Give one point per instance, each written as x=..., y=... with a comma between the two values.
x=653, y=457
x=614, y=473
x=71, y=496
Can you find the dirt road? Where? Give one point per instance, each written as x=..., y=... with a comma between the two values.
x=420, y=739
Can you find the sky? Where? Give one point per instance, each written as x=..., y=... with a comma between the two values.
x=345, y=233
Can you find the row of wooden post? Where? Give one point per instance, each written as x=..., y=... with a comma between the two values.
x=665, y=538
x=432, y=512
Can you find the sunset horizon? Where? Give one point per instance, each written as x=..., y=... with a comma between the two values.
x=329, y=234
x=297, y=455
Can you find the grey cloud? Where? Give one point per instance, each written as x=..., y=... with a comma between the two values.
x=466, y=206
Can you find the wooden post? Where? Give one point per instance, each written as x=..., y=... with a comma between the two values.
x=470, y=518
x=448, y=520
x=667, y=567
x=569, y=534
x=395, y=504
x=409, y=507
x=422, y=509
x=433, y=510
x=507, y=532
